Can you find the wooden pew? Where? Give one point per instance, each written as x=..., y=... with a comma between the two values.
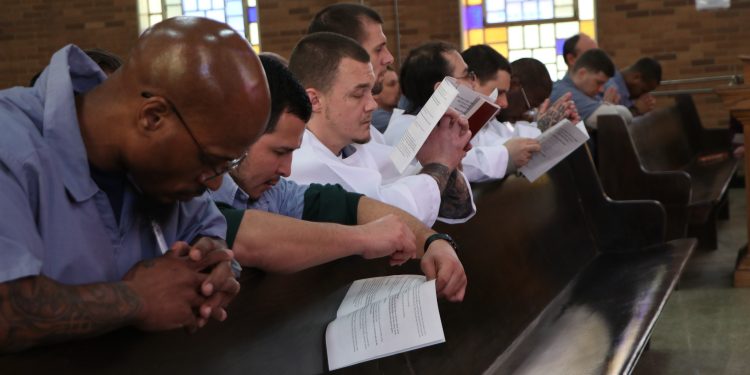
x=659, y=156
x=561, y=280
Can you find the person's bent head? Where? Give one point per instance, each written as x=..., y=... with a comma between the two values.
x=591, y=71
x=642, y=77
x=360, y=23
x=189, y=100
x=575, y=46
x=270, y=157
x=530, y=86
x=388, y=97
x=425, y=68
x=338, y=77
x=493, y=71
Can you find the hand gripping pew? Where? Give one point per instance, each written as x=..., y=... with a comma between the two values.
x=561, y=280
x=668, y=156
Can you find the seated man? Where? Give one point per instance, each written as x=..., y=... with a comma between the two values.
x=421, y=73
x=575, y=46
x=364, y=25
x=258, y=184
x=634, y=83
x=590, y=72
x=99, y=176
x=338, y=77
x=387, y=100
x=493, y=77
x=530, y=88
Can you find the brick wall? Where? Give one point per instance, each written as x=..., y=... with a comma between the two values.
x=31, y=30
x=688, y=43
x=284, y=22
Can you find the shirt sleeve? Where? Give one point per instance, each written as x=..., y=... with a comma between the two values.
x=330, y=203
x=234, y=218
x=21, y=246
x=200, y=218
x=484, y=163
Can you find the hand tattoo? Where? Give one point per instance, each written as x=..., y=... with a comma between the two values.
x=36, y=310
x=553, y=115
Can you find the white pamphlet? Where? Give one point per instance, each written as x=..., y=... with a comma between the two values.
x=383, y=316
x=557, y=143
x=416, y=134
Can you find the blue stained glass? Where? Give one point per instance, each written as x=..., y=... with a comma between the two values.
x=252, y=14
x=559, y=45
x=473, y=17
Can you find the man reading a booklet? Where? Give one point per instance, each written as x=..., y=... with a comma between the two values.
x=421, y=72
x=259, y=186
x=336, y=146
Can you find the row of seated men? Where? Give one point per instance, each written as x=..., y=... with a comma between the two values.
x=113, y=177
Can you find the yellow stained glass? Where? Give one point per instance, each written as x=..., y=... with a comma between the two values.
x=502, y=48
x=496, y=35
x=589, y=28
x=256, y=48
x=476, y=37
x=473, y=2
x=465, y=38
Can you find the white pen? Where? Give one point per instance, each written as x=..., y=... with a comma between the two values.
x=159, y=237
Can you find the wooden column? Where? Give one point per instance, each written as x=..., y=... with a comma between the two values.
x=737, y=100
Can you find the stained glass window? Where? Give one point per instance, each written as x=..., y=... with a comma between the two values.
x=528, y=28
x=241, y=15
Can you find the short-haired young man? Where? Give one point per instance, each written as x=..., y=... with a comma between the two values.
x=362, y=24
x=259, y=184
x=586, y=81
x=336, y=147
x=634, y=84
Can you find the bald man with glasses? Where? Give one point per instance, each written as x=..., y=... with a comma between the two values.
x=104, y=219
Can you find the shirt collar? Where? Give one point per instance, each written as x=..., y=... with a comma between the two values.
x=70, y=72
x=230, y=192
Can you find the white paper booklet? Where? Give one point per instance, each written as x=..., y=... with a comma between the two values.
x=382, y=316
x=557, y=142
x=477, y=108
x=415, y=135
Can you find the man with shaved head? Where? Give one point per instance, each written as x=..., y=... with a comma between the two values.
x=104, y=219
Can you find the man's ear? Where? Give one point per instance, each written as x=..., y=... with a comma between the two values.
x=153, y=114
x=316, y=100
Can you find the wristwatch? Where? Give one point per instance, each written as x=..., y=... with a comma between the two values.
x=440, y=236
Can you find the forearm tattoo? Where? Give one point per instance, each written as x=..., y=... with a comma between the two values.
x=553, y=115
x=37, y=310
x=456, y=199
x=439, y=172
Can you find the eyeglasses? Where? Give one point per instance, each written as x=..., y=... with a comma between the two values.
x=470, y=76
x=530, y=113
x=219, y=165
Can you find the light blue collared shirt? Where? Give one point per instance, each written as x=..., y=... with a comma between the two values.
x=618, y=81
x=585, y=104
x=285, y=198
x=55, y=220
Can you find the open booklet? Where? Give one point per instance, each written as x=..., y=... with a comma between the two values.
x=382, y=316
x=477, y=108
x=557, y=142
